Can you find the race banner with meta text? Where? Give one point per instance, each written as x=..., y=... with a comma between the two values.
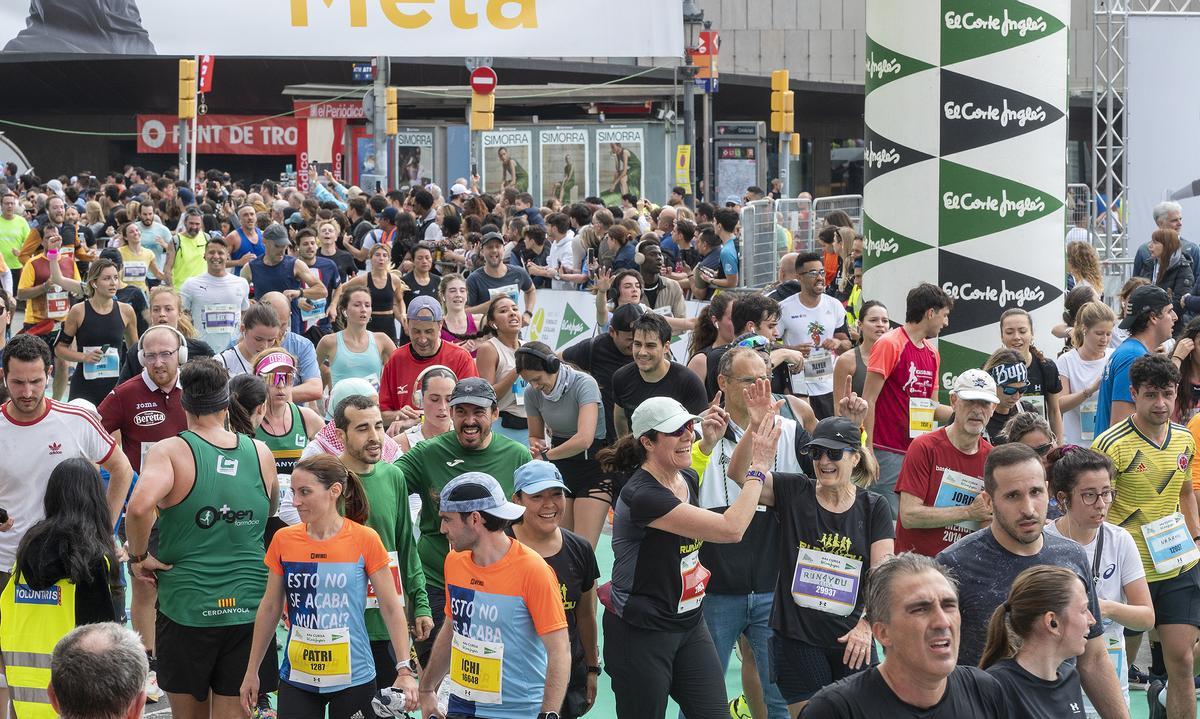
x=965, y=163
x=221, y=135
x=329, y=28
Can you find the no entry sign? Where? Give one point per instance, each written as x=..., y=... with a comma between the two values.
x=483, y=80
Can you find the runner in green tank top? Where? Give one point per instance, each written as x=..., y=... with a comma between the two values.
x=213, y=492
x=286, y=429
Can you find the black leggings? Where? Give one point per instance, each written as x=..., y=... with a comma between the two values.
x=648, y=666
x=297, y=703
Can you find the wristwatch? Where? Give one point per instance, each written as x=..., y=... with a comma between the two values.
x=548, y=715
x=405, y=665
x=594, y=670
x=139, y=558
x=542, y=454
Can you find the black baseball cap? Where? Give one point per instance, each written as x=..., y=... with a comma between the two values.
x=1142, y=301
x=836, y=433
x=623, y=317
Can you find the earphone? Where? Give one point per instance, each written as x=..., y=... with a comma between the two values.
x=550, y=363
x=183, y=352
x=1054, y=624
x=418, y=394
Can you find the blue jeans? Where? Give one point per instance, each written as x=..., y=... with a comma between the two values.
x=889, y=472
x=729, y=616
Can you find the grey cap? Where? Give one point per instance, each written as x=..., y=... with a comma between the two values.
x=488, y=497
x=473, y=390
x=425, y=309
x=276, y=234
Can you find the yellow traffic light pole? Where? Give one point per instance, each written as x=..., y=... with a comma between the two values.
x=187, y=111
x=783, y=121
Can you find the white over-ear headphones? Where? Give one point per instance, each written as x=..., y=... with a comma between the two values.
x=419, y=385
x=183, y=351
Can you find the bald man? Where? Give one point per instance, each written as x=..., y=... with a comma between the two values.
x=789, y=278
x=308, y=381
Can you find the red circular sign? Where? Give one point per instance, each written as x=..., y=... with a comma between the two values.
x=483, y=80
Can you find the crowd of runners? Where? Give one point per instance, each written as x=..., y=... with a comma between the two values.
x=302, y=445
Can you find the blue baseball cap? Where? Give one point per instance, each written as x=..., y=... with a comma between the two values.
x=537, y=476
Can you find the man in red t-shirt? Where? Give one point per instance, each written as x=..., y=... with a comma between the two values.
x=941, y=483
x=425, y=349
x=902, y=383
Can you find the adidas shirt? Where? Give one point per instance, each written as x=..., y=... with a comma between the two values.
x=31, y=451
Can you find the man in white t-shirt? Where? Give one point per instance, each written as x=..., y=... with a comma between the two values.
x=36, y=434
x=217, y=298
x=814, y=323
x=561, y=262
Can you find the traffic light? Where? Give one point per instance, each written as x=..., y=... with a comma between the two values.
x=393, y=113
x=187, y=89
x=794, y=145
x=482, y=109
x=783, y=103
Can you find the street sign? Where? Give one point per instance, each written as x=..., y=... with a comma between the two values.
x=483, y=80
x=708, y=84
x=363, y=72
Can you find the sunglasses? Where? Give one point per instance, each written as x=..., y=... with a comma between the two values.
x=755, y=342
x=1010, y=390
x=278, y=379
x=685, y=429
x=1044, y=449
x=834, y=455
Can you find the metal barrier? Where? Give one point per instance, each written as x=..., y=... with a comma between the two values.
x=852, y=205
x=795, y=215
x=1079, y=216
x=760, y=253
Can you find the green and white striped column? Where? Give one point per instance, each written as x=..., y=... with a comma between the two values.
x=966, y=163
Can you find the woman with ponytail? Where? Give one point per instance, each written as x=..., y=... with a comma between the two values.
x=1045, y=385
x=1043, y=623
x=1082, y=368
x=325, y=563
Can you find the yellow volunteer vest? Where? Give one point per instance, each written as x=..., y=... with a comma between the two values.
x=31, y=623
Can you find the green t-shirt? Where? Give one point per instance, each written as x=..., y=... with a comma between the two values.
x=432, y=464
x=12, y=235
x=387, y=495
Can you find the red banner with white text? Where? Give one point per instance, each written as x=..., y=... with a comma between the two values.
x=222, y=135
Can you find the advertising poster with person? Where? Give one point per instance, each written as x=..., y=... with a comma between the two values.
x=564, y=160
x=414, y=157
x=619, y=153
x=506, y=160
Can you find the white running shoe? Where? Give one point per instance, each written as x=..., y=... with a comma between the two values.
x=153, y=692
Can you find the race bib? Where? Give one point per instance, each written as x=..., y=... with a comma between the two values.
x=695, y=581
x=135, y=272
x=1170, y=544
x=818, y=367
x=958, y=490
x=1038, y=403
x=316, y=313
x=475, y=670
x=1114, y=642
x=109, y=365
x=287, y=506
x=1087, y=419
x=319, y=657
x=518, y=390
x=509, y=291
x=220, y=318
x=920, y=416
x=394, y=567
x=58, y=303
x=826, y=582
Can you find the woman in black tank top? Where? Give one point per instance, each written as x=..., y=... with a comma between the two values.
x=872, y=324
x=97, y=327
x=387, y=292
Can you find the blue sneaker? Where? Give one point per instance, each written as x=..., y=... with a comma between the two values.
x=1137, y=678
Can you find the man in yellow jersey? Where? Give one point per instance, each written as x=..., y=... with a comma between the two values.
x=1155, y=503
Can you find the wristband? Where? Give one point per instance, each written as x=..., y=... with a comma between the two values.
x=594, y=670
x=139, y=558
x=755, y=474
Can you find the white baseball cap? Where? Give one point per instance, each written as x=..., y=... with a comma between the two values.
x=975, y=384
x=662, y=414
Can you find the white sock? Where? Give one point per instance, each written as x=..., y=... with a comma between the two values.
x=1162, y=696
